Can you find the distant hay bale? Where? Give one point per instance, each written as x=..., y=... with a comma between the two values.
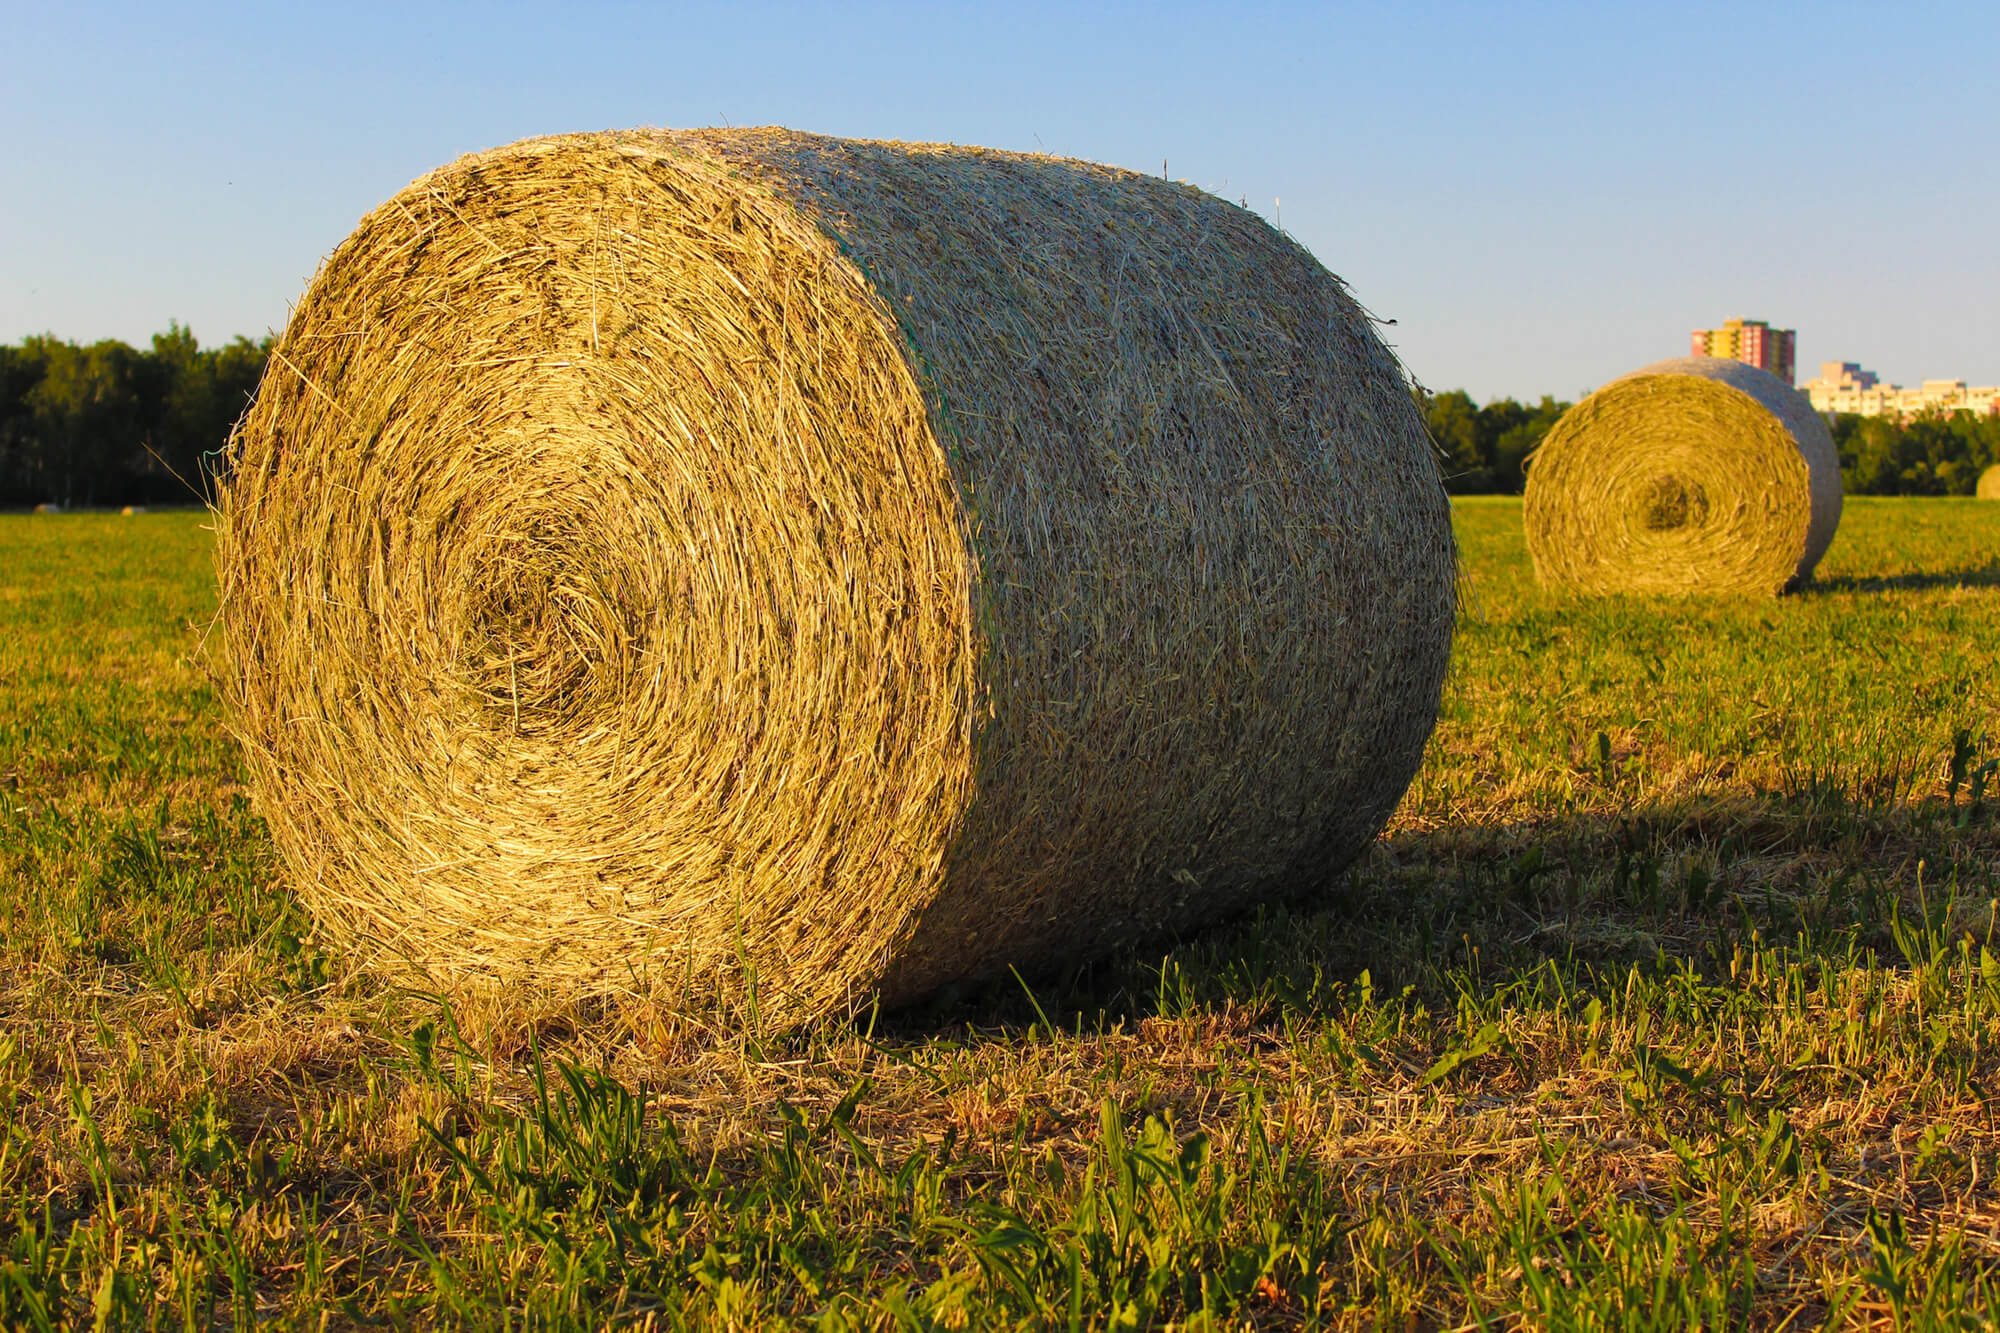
x=1691, y=475
x=130, y=510
x=1989, y=483
x=678, y=559
x=48, y=509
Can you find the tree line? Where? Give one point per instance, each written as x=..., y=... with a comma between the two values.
x=1485, y=450
x=110, y=424
x=1932, y=454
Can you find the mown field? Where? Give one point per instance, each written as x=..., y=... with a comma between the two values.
x=1670, y=998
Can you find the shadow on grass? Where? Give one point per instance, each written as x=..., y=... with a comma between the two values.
x=1483, y=906
x=1986, y=576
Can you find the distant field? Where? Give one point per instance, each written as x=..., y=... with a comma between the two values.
x=1670, y=997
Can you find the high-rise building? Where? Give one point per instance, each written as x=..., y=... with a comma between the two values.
x=1752, y=341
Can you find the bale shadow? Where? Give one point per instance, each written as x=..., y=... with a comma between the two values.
x=1483, y=906
x=1986, y=576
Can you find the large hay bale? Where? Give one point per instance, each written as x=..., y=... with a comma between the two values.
x=654, y=555
x=1989, y=483
x=1691, y=475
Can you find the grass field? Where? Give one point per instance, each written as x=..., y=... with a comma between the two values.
x=1670, y=997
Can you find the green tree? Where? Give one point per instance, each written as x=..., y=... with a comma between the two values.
x=187, y=406
x=1932, y=454
x=205, y=391
x=237, y=367
x=1486, y=448
x=90, y=413
x=21, y=369
x=1454, y=425
x=107, y=424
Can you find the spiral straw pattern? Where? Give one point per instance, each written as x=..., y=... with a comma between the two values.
x=716, y=559
x=1694, y=475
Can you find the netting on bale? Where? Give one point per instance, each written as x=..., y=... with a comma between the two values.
x=1692, y=475
x=683, y=559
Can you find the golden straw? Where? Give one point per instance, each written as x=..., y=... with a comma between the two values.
x=1692, y=475
x=691, y=559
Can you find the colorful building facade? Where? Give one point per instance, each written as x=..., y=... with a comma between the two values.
x=1751, y=341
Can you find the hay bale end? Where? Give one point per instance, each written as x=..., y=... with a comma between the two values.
x=1693, y=475
x=678, y=560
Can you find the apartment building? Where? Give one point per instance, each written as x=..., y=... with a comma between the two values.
x=1843, y=386
x=1752, y=341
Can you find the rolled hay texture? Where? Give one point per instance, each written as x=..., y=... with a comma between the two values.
x=713, y=559
x=1693, y=475
x=1989, y=483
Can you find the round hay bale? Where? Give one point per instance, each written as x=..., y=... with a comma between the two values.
x=129, y=510
x=48, y=508
x=1696, y=474
x=1989, y=483
x=725, y=559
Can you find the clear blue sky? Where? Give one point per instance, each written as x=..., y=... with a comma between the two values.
x=1542, y=196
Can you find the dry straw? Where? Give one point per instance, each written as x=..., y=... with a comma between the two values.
x=712, y=559
x=1691, y=475
x=1989, y=483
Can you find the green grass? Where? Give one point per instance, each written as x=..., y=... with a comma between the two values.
x=1670, y=997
